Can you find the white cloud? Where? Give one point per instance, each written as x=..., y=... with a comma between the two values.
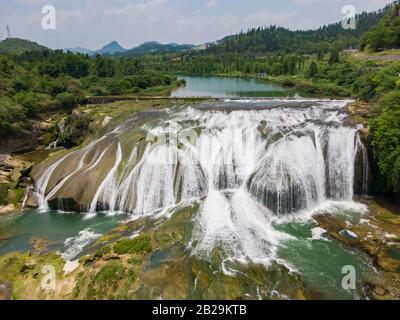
x=211, y=3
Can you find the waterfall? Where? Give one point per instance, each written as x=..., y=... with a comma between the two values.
x=106, y=193
x=41, y=184
x=246, y=162
x=286, y=158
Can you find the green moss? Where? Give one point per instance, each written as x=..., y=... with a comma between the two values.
x=103, y=251
x=18, y=195
x=176, y=229
x=24, y=271
x=388, y=217
x=106, y=238
x=104, y=284
x=140, y=244
x=78, y=285
x=3, y=193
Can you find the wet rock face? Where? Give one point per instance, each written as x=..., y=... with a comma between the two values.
x=13, y=177
x=72, y=130
x=296, y=160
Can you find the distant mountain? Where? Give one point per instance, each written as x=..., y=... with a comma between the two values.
x=114, y=48
x=154, y=46
x=111, y=48
x=16, y=45
x=79, y=50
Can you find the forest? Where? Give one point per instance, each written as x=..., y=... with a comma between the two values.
x=40, y=81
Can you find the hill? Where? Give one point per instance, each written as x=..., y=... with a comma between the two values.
x=156, y=47
x=276, y=39
x=386, y=35
x=15, y=45
x=111, y=48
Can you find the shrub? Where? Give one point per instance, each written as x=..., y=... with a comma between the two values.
x=30, y=101
x=386, y=140
x=67, y=100
x=114, y=88
x=140, y=244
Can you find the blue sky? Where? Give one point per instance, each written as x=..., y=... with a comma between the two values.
x=93, y=23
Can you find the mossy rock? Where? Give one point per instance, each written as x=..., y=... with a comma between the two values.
x=177, y=229
x=4, y=193
x=140, y=244
x=26, y=271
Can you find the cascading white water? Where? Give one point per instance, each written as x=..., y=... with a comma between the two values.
x=246, y=165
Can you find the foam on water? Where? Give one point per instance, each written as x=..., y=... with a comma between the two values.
x=75, y=245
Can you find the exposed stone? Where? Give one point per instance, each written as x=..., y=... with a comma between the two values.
x=5, y=290
x=348, y=234
x=7, y=209
x=13, y=177
x=72, y=129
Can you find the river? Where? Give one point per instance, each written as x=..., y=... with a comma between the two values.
x=225, y=87
x=258, y=168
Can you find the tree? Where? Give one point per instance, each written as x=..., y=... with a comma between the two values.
x=114, y=88
x=76, y=65
x=67, y=100
x=30, y=101
x=386, y=35
x=386, y=140
x=312, y=70
x=334, y=57
x=105, y=67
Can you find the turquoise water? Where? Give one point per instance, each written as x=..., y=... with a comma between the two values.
x=223, y=87
x=18, y=231
x=321, y=260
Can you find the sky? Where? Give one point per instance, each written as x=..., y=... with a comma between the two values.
x=94, y=23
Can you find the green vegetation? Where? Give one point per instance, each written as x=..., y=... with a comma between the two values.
x=140, y=244
x=15, y=45
x=274, y=39
x=386, y=35
x=35, y=83
x=386, y=139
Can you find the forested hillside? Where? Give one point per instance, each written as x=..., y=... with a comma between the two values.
x=37, y=82
x=275, y=39
x=15, y=45
x=154, y=47
x=385, y=35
